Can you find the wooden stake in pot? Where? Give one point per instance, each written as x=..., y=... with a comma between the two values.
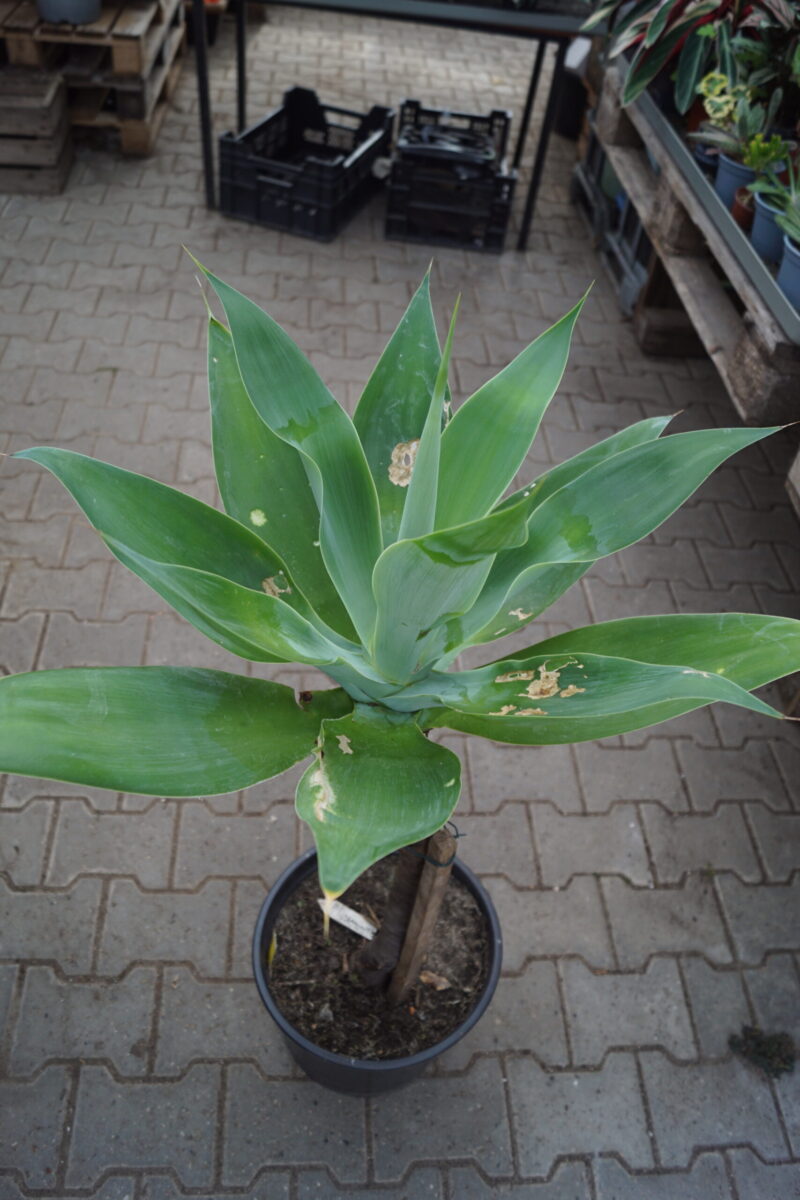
x=439, y=852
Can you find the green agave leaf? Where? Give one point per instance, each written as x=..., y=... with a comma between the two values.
x=253, y=624
x=511, y=597
x=378, y=784
x=158, y=731
x=263, y=482
x=419, y=511
x=487, y=440
x=292, y=400
x=396, y=400
x=555, y=698
x=424, y=581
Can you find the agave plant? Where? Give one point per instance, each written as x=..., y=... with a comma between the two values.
x=377, y=549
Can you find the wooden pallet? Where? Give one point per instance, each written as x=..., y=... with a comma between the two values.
x=35, y=140
x=131, y=33
x=100, y=95
x=759, y=366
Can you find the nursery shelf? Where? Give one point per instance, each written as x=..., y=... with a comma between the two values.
x=744, y=321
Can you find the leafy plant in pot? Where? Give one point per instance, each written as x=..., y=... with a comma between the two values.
x=378, y=549
x=774, y=194
x=737, y=128
x=789, y=271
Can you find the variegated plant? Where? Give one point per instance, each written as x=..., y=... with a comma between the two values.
x=377, y=549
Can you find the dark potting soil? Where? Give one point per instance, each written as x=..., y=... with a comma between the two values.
x=313, y=984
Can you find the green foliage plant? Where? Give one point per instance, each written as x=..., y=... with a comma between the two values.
x=781, y=191
x=377, y=549
x=738, y=126
x=789, y=219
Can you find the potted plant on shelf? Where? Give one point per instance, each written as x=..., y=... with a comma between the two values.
x=789, y=271
x=774, y=194
x=738, y=129
x=378, y=549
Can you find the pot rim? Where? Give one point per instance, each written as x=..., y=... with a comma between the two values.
x=791, y=247
x=762, y=203
x=302, y=867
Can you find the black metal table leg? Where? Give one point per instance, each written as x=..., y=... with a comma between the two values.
x=533, y=87
x=241, y=65
x=201, y=64
x=541, y=149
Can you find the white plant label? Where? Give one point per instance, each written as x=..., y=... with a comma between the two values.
x=351, y=919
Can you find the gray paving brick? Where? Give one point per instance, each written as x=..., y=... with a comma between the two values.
x=788, y=756
x=756, y=1180
x=117, y=1188
x=19, y=641
x=458, y=1117
x=646, y=921
x=215, y=1020
x=161, y=927
x=525, y=1015
x=705, y=1181
x=272, y=1186
x=775, y=992
x=569, y=1182
x=423, y=1183
x=23, y=835
x=156, y=1125
x=609, y=1010
x=761, y=918
x=542, y=924
x=709, y=1104
x=247, y=903
x=19, y=790
x=598, y=845
x=522, y=773
x=778, y=838
x=50, y=925
x=699, y=842
x=31, y=1123
x=577, y=1112
x=742, y=774
x=647, y=773
x=210, y=844
x=93, y=643
x=64, y=1019
x=269, y=1124
x=718, y=1002
x=8, y=979
x=787, y=1089
x=112, y=844
x=499, y=844
x=78, y=591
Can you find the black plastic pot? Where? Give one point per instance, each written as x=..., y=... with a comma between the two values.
x=360, y=1077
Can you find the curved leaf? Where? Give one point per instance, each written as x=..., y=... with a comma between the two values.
x=490, y=434
x=159, y=731
x=396, y=400
x=650, y=59
x=292, y=400
x=263, y=482
x=691, y=68
x=377, y=784
x=555, y=698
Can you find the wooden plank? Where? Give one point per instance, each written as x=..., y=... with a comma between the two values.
x=35, y=151
x=64, y=32
x=440, y=851
x=38, y=180
x=31, y=103
x=141, y=104
x=135, y=56
x=636, y=178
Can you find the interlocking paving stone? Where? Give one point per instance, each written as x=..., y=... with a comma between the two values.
x=574, y=1112
x=705, y=1181
x=88, y=843
x=269, y=1124
x=456, y=1117
x=156, y=1125
x=215, y=1020
x=273, y=1185
x=19, y=641
x=93, y=643
x=541, y=924
x=31, y=1122
x=761, y=918
x=569, y=1182
x=8, y=977
x=522, y=773
x=778, y=837
x=499, y=843
x=119, y=1188
x=709, y=1104
x=22, y=841
x=646, y=921
x=697, y=842
x=608, y=1010
x=580, y=845
x=775, y=991
x=718, y=1003
x=787, y=1088
x=165, y=927
x=423, y=1183
x=757, y=1180
x=249, y=898
x=210, y=844
x=19, y=790
x=646, y=773
x=525, y=1015
x=50, y=925
x=746, y=773
x=64, y=1019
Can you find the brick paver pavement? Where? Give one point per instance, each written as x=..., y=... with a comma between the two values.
x=647, y=884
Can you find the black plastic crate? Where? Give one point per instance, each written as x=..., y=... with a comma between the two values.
x=306, y=168
x=449, y=183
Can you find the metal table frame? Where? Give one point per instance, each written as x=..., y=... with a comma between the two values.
x=542, y=27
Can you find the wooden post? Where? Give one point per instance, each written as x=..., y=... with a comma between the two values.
x=439, y=849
